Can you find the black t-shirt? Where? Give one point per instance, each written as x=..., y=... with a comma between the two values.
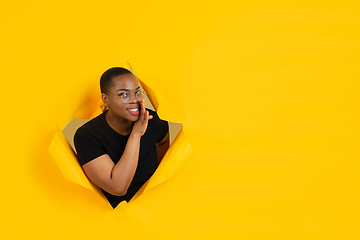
x=96, y=138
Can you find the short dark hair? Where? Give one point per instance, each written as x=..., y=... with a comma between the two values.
x=106, y=77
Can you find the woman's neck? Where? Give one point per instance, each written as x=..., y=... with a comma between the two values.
x=120, y=125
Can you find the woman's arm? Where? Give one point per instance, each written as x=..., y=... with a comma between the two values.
x=116, y=178
x=162, y=147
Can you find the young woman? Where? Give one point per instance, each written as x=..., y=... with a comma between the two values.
x=121, y=148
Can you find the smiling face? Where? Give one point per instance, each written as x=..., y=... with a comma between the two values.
x=121, y=85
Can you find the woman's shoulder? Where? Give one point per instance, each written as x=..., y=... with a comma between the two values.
x=92, y=126
x=151, y=112
x=154, y=114
x=161, y=127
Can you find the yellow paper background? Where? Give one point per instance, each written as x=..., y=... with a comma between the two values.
x=267, y=92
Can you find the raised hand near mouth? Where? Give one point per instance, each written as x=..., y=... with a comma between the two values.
x=140, y=125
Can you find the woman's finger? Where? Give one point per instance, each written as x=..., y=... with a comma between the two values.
x=144, y=112
x=142, y=106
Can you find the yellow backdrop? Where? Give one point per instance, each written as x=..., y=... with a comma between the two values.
x=267, y=92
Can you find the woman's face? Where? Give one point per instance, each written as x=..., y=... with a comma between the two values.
x=125, y=83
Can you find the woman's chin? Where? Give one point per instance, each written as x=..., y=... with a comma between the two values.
x=134, y=118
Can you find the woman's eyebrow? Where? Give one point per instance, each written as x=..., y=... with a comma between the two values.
x=125, y=89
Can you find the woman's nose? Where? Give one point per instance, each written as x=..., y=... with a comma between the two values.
x=134, y=99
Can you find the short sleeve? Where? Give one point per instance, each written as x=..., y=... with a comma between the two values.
x=162, y=126
x=87, y=146
x=163, y=129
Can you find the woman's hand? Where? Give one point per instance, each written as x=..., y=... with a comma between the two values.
x=140, y=125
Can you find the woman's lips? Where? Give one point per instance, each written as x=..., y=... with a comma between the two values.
x=133, y=111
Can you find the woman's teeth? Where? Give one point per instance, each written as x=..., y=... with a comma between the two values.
x=134, y=109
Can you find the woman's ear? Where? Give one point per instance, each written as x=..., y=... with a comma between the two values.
x=105, y=100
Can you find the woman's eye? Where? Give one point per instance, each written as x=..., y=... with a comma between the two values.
x=123, y=94
x=137, y=93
